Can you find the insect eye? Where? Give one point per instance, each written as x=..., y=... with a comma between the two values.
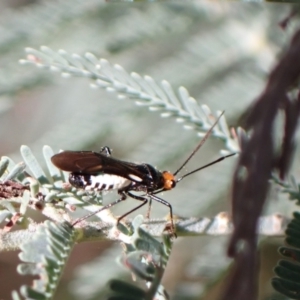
x=169, y=180
x=169, y=184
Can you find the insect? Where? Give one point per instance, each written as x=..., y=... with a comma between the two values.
x=99, y=171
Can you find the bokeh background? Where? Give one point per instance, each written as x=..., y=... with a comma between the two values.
x=220, y=51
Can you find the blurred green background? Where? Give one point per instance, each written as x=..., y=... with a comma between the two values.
x=220, y=51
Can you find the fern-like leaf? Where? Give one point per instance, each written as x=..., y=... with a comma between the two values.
x=45, y=255
x=287, y=282
x=144, y=90
x=146, y=258
x=290, y=187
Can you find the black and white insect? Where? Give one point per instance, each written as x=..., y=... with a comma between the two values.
x=99, y=171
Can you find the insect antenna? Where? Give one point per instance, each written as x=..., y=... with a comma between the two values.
x=205, y=166
x=199, y=145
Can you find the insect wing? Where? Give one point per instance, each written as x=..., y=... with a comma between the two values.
x=88, y=162
x=76, y=161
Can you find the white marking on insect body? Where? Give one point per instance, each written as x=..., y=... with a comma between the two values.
x=107, y=182
x=135, y=178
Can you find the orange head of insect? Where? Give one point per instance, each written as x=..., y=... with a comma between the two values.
x=169, y=180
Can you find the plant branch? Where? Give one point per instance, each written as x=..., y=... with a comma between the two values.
x=272, y=225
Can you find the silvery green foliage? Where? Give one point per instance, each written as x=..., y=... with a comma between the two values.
x=46, y=252
x=290, y=187
x=46, y=255
x=144, y=90
x=199, y=47
x=146, y=258
x=10, y=171
x=44, y=188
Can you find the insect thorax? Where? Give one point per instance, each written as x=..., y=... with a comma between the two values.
x=98, y=182
x=152, y=179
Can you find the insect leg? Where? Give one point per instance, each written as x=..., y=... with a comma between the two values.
x=140, y=198
x=166, y=203
x=105, y=151
x=149, y=209
x=123, y=198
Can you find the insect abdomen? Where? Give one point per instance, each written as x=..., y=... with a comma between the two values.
x=103, y=182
